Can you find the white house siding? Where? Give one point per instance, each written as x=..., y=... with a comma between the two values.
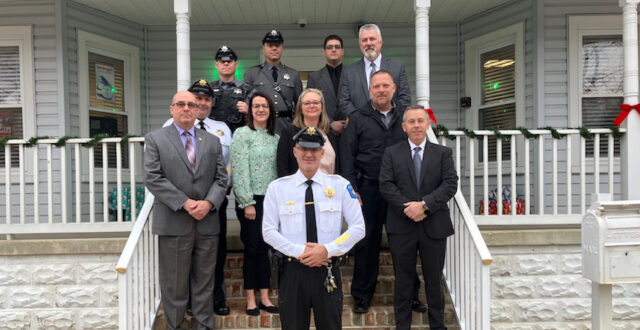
x=495, y=19
x=87, y=19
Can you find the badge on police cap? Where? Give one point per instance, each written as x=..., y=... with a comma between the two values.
x=274, y=33
x=311, y=130
x=224, y=48
x=286, y=76
x=202, y=82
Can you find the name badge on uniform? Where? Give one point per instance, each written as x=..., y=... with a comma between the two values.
x=286, y=76
x=220, y=132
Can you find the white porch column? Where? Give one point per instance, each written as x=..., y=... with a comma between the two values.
x=182, y=9
x=422, y=52
x=629, y=156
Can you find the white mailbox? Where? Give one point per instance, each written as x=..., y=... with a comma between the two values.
x=611, y=242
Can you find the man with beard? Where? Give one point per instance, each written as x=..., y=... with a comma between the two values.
x=356, y=78
x=371, y=129
x=280, y=82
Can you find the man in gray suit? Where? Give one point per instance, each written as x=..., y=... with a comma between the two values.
x=354, y=88
x=185, y=171
x=327, y=79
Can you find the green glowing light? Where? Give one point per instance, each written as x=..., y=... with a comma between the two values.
x=113, y=89
x=495, y=85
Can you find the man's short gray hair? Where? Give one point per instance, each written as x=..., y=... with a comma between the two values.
x=413, y=107
x=369, y=26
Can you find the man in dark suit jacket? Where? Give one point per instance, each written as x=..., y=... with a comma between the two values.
x=417, y=179
x=327, y=80
x=354, y=88
x=185, y=171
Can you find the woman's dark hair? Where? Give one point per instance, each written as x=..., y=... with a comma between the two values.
x=271, y=121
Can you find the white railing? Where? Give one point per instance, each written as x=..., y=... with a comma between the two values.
x=467, y=265
x=74, y=186
x=138, y=283
x=544, y=175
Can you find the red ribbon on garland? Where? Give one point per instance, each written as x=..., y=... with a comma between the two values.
x=432, y=116
x=626, y=110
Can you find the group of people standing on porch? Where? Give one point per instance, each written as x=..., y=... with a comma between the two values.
x=349, y=147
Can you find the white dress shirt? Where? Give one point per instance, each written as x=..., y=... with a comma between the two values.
x=284, y=221
x=367, y=67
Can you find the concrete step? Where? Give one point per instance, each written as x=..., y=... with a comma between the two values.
x=380, y=315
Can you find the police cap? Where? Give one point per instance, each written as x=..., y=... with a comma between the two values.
x=226, y=54
x=201, y=87
x=273, y=37
x=309, y=137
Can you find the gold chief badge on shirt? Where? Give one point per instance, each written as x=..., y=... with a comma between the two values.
x=329, y=192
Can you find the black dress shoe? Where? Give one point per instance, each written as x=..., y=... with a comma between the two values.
x=253, y=312
x=221, y=309
x=360, y=307
x=270, y=309
x=418, y=306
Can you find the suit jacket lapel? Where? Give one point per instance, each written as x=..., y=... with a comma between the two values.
x=325, y=79
x=174, y=138
x=425, y=160
x=200, y=147
x=384, y=63
x=363, y=78
x=408, y=156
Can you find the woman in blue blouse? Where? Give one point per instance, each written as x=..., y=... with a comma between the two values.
x=253, y=165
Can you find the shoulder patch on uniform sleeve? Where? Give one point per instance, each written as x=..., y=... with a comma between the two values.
x=351, y=192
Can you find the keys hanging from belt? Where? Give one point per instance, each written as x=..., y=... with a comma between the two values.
x=330, y=280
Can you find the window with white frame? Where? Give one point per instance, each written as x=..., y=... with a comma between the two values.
x=494, y=79
x=16, y=87
x=595, y=74
x=109, y=91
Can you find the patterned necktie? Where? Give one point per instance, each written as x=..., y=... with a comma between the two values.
x=309, y=210
x=417, y=164
x=274, y=73
x=188, y=147
x=202, y=126
x=373, y=70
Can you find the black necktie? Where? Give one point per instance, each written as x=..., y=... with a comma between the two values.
x=274, y=73
x=312, y=233
x=202, y=126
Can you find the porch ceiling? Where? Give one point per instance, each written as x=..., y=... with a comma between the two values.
x=278, y=12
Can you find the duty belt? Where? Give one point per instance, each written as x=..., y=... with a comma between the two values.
x=335, y=261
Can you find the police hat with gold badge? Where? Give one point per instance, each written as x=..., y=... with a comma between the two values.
x=201, y=87
x=273, y=37
x=309, y=137
x=226, y=54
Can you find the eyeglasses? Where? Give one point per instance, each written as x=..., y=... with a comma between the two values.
x=258, y=106
x=314, y=103
x=329, y=47
x=181, y=104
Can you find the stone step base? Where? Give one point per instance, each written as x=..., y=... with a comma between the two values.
x=378, y=317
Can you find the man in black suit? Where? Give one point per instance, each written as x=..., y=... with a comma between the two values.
x=417, y=179
x=327, y=80
x=356, y=78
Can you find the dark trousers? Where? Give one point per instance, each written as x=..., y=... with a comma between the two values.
x=301, y=289
x=186, y=265
x=404, y=248
x=256, y=269
x=367, y=251
x=219, y=289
